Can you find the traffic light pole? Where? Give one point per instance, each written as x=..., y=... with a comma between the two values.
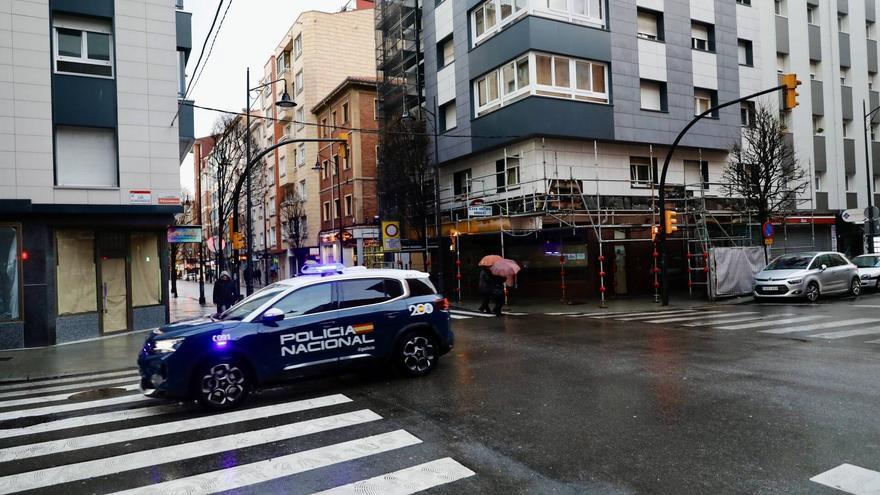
x=661, y=238
x=869, y=222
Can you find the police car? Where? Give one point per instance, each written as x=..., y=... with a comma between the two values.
x=303, y=326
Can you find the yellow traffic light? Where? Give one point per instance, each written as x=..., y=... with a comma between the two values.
x=790, y=81
x=670, y=223
x=237, y=240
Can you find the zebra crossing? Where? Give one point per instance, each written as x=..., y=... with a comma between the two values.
x=52, y=439
x=809, y=326
x=463, y=314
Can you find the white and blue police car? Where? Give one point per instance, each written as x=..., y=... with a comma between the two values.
x=303, y=326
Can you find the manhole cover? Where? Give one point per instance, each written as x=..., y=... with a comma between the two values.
x=98, y=393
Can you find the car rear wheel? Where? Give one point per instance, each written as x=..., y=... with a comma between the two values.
x=812, y=292
x=855, y=287
x=222, y=384
x=416, y=354
x=877, y=285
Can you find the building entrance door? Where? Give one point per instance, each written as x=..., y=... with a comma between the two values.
x=114, y=295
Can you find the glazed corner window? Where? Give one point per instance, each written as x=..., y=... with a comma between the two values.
x=83, y=47
x=492, y=15
x=10, y=274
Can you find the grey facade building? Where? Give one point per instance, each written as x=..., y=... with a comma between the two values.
x=92, y=132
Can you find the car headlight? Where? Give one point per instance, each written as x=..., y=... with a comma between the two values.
x=795, y=281
x=164, y=346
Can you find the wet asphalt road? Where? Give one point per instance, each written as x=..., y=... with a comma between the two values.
x=562, y=404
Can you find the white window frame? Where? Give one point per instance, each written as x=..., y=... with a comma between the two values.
x=348, y=205
x=300, y=155
x=699, y=99
x=569, y=15
x=300, y=80
x=300, y=118
x=297, y=46
x=535, y=89
x=498, y=23
x=635, y=164
x=302, y=190
x=537, y=8
x=515, y=169
x=84, y=26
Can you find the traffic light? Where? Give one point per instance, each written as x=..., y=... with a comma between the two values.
x=790, y=81
x=237, y=240
x=343, y=147
x=670, y=222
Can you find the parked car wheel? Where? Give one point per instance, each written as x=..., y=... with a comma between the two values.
x=877, y=284
x=222, y=384
x=855, y=287
x=812, y=292
x=416, y=354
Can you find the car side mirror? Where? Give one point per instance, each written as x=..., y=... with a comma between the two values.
x=823, y=267
x=272, y=315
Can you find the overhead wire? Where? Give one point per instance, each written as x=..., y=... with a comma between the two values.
x=195, y=80
x=204, y=45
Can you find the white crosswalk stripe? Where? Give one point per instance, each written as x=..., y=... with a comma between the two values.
x=820, y=326
x=847, y=333
x=850, y=479
x=69, y=387
x=730, y=318
x=109, y=448
x=55, y=381
x=770, y=322
x=689, y=317
x=52, y=398
x=646, y=315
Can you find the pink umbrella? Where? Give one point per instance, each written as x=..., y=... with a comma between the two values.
x=490, y=260
x=505, y=268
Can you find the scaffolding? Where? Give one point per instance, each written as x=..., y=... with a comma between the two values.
x=399, y=67
x=559, y=198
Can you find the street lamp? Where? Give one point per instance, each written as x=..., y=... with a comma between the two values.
x=284, y=102
x=869, y=222
x=319, y=167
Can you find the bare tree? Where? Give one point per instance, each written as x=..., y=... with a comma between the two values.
x=293, y=215
x=763, y=172
x=405, y=180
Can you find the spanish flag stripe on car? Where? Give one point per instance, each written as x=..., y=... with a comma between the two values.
x=363, y=328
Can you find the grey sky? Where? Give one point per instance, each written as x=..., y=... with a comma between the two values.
x=249, y=34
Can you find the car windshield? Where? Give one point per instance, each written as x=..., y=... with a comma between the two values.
x=867, y=261
x=252, y=302
x=791, y=262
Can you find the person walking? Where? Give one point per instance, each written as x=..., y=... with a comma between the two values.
x=224, y=292
x=497, y=293
x=485, y=288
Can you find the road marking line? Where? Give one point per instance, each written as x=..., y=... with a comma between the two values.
x=659, y=315
x=821, y=326
x=873, y=342
x=470, y=313
x=118, y=436
x=95, y=419
x=568, y=313
x=459, y=317
x=767, y=323
x=510, y=313
x=875, y=306
x=407, y=481
x=851, y=479
x=846, y=333
x=646, y=314
x=690, y=317
x=62, y=388
x=73, y=406
x=55, y=381
x=173, y=453
x=735, y=320
x=53, y=398
x=281, y=467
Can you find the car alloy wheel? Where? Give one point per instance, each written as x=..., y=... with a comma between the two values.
x=222, y=386
x=418, y=354
x=855, y=287
x=812, y=292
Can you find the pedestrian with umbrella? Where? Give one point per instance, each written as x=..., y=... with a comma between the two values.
x=486, y=281
x=503, y=271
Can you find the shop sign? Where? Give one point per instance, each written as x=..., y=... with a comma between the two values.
x=183, y=234
x=480, y=211
x=140, y=196
x=169, y=200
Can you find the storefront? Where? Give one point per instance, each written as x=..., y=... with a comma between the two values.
x=358, y=244
x=73, y=277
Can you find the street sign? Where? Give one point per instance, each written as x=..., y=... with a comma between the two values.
x=768, y=230
x=480, y=211
x=183, y=234
x=391, y=236
x=768, y=241
x=853, y=215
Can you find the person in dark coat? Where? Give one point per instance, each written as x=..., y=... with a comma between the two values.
x=497, y=293
x=485, y=288
x=224, y=292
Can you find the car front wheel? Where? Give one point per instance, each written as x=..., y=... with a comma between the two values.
x=855, y=287
x=222, y=384
x=812, y=292
x=416, y=354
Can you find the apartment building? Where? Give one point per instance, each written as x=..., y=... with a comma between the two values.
x=349, y=204
x=318, y=52
x=91, y=138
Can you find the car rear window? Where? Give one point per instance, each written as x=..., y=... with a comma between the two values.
x=420, y=287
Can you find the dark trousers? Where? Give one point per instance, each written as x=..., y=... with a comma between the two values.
x=485, y=298
x=498, y=302
x=222, y=307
